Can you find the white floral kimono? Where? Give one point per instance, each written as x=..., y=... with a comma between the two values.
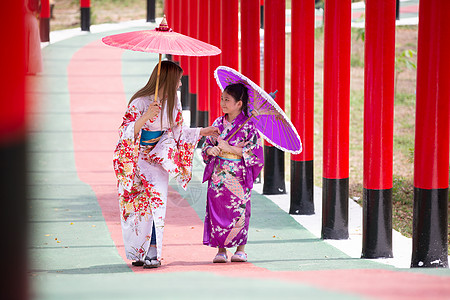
x=143, y=174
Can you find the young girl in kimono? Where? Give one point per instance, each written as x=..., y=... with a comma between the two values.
x=152, y=144
x=232, y=165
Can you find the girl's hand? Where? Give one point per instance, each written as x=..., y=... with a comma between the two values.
x=214, y=151
x=153, y=111
x=210, y=131
x=223, y=145
x=242, y=144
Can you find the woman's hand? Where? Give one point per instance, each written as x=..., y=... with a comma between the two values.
x=153, y=111
x=210, y=131
x=151, y=114
x=214, y=151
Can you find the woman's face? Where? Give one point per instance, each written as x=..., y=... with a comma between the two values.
x=230, y=105
x=179, y=82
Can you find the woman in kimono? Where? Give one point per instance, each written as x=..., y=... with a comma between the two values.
x=152, y=144
x=232, y=165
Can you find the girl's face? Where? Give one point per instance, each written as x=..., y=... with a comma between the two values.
x=230, y=105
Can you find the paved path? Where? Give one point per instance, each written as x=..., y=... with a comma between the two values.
x=76, y=247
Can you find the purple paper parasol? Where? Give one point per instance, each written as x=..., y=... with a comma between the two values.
x=270, y=119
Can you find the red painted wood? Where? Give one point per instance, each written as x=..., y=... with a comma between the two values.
x=193, y=32
x=274, y=49
x=203, y=65
x=215, y=61
x=302, y=75
x=12, y=102
x=431, y=158
x=336, y=86
x=45, y=9
x=230, y=31
x=379, y=68
x=250, y=39
x=176, y=12
x=184, y=26
x=85, y=3
x=168, y=12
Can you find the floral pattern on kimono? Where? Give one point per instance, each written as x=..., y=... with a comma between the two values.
x=230, y=181
x=143, y=172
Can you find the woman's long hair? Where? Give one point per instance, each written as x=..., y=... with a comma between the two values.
x=240, y=93
x=169, y=77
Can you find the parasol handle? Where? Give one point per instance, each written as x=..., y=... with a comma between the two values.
x=228, y=139
x=157, y=78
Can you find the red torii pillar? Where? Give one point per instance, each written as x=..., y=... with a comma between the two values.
x=250, y=39
x=336, y=115
x=168, y=12
x=176, y=11
x=44, y=21
x=214, y=61
x=13, y=158
x=230, y=33
x=431, y=155
x=250, y=50
x=274, y=79
x=302, y=106
x=85, y=10
x=184, y=27
x=203, y=66
x=193, y=61
x=379, y=68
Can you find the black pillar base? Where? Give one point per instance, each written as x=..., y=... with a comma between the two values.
x=202, y=118
x=273, y=171
x=185, y=92
x=430, y=231
x=397, y=9
x=193, y=109
x=14, y=187
x=261, y=8
x=335, y=209
x=302, y=188
x=44, y=29
x=151, y=11
x=86, y=19
x=377, y=223
x=202, y=121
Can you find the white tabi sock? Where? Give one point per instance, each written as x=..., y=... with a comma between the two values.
x=151, y=252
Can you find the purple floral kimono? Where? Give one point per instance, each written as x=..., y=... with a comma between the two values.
x=230, y=183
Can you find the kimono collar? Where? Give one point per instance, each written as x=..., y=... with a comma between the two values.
x=238, y=120
x=235, y=123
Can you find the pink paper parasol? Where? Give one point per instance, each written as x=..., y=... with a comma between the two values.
x=162, y=40
x=268, y=117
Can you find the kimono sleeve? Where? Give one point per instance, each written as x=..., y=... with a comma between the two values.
x=175, y=150
x=127, y=149
x=253, y=156
x=210, y=141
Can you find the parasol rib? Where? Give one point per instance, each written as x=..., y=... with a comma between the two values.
x=157, y=78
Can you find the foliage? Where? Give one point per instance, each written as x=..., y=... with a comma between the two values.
x=402, y=205
x=356, y=61
x=360, y=34
x=403, y=61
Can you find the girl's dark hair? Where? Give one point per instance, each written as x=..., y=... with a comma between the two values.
x=240, y=93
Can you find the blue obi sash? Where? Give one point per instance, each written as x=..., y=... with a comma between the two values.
x=150, y=138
